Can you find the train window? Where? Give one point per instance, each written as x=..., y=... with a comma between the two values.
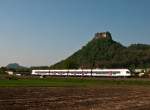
x=116, y=72
x=128, y=71
x=41, y=71
x=103, y=72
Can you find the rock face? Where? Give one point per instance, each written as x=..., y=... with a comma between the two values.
x=103, y=35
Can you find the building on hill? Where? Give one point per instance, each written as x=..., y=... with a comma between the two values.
x=103, y=35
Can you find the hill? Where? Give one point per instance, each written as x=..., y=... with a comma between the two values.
x=14, y=66
x=103, y=52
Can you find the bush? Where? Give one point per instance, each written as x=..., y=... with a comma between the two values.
x=12, y=77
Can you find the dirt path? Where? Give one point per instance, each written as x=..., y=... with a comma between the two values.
x=96, y=98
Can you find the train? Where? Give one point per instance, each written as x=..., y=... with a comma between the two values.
x=84, y=72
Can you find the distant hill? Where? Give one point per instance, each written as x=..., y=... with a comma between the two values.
x=14, y=66
x=103, y=52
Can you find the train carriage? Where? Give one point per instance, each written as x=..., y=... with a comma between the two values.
x=84, y=72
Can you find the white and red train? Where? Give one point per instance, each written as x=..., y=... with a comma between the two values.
x=84, y=72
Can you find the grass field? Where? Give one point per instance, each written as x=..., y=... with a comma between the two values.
x=81, y=82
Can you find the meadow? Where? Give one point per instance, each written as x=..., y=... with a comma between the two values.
x=72, y=81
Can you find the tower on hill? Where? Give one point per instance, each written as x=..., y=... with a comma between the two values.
x=103, y=35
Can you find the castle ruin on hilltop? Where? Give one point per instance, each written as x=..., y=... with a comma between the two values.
x=103, y=35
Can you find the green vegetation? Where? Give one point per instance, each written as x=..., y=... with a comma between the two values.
x=73, y=82
x=16, y=69
x=14, y=66
x=2, y=71
x=106, y=53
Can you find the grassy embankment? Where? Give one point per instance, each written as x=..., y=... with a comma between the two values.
x=76, y=82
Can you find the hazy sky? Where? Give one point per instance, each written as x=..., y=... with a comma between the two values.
x=42, y=32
